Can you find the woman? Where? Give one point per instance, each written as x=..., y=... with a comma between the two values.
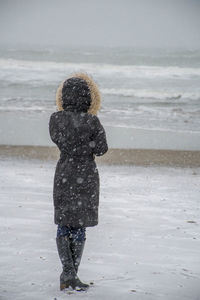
x=79, y=135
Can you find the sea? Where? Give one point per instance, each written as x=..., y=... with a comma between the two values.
x=140, y=88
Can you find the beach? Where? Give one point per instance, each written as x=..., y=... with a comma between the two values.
x=145, y=247
x=144, y=57
x=26, y=135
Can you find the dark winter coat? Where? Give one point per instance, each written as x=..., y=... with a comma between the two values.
x=79, y=137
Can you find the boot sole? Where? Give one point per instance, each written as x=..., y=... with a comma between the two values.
x=66, y=286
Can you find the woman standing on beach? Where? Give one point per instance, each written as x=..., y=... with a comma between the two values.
x=79, y=135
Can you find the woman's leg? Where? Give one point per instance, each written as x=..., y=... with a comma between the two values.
x=68, y=277
x=77, y=243
x=63, y=231
x=64, y=251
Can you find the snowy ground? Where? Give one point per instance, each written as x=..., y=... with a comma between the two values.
x=146, y=245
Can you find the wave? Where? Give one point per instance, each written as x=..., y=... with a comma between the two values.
x=32, y=108
x=25, y=70
x=151, y=94
x=137, y=96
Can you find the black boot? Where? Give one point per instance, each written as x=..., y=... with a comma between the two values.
x=77, y=248
x=68, y=277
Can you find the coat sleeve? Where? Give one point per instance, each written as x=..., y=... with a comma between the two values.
x=100, y=146
x=53, y=129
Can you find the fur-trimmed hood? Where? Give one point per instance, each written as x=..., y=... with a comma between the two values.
x=94, y=92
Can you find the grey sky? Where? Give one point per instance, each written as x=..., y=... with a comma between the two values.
x=139, y=23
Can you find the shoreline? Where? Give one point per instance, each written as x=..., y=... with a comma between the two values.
x=115, y=156
x=32, y=129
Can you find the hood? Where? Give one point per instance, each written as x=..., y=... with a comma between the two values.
x=94, y=92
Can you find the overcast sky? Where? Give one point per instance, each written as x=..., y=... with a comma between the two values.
x=138, y=23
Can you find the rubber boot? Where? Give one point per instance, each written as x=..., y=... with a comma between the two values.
x=68, y=277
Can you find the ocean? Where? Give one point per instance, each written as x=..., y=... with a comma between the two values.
x=147, y=89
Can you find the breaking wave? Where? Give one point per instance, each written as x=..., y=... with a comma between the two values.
x=151, y=95
x=45, y=71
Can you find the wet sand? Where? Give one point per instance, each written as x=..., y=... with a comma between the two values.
x=138, y=157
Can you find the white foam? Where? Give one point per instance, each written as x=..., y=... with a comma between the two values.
x=25, y=109
x=153, y=94
x=48, y=71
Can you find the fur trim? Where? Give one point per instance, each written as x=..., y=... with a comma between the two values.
x=94, y=90
x=59, y=96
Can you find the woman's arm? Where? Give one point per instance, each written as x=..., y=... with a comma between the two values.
x=53, y=129
x=99, y=142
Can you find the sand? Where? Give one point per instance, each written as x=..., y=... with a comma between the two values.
x=146, y=246
x=138, y=157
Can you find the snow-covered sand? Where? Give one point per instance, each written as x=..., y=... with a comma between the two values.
x=146, y=245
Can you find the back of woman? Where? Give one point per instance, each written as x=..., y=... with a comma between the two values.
x=80, y=137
